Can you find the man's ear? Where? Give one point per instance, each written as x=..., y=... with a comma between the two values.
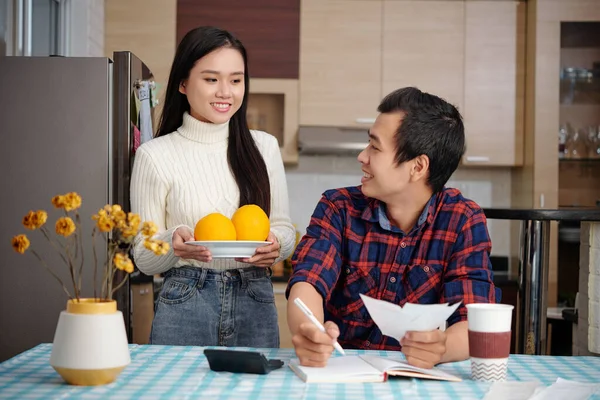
x=420, y=168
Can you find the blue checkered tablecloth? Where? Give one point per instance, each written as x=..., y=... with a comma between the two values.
x=165, y=372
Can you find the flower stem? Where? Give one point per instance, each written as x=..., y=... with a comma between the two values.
x=52, y=273
x=79, y=241
x=72, y=271
x=112, y=276
x=44, y=230
x=120, y=285
x=95, y=259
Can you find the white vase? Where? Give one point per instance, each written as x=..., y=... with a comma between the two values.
x=90, y=343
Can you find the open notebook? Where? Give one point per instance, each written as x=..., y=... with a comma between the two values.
x=365, y=369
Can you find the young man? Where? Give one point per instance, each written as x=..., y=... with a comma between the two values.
x=401, y=237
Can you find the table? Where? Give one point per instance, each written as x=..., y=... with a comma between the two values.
x=160, y=372
x=533, y=267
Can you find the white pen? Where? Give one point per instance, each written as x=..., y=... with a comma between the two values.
x=315, y=321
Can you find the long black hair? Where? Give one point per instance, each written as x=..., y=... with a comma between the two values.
x=245, y=160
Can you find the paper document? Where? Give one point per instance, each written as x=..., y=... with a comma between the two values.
x=568, y=390
x=512, y=390
x=394, y=321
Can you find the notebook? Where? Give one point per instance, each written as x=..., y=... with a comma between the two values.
x=365, y=368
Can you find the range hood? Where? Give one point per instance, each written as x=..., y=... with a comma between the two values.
x=324, y=140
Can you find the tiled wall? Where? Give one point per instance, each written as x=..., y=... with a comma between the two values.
x=315, y=174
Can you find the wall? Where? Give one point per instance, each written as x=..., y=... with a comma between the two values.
x=147, y=29
x=87, y=28
x=315, y=174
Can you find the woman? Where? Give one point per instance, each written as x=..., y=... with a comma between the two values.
x=204, y=160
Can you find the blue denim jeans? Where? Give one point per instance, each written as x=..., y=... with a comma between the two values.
x=204, y=307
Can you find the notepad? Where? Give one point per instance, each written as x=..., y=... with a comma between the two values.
x=366, y=368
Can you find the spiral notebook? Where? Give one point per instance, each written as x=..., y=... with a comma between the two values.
x=366, y=368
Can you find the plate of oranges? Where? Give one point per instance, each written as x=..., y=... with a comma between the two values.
x=235, y=237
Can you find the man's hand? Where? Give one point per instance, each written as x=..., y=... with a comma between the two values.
x=424, y=349
x=189, y=251
x=312, y=346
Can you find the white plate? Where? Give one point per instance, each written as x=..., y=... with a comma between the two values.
x=230, y=248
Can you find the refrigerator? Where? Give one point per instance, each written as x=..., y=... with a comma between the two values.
x=67, y=124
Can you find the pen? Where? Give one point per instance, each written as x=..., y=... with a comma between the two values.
x=315, y=321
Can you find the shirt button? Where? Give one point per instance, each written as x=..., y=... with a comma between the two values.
x=393, y=279
x=348, y=271
x=403, y=245
x=426, y=268
x=367, y=343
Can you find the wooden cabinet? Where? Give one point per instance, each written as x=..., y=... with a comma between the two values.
x=285, y=337
x=424, y=46
x=469, y=52
x=268, y=29
x=340, y=62
x=142, y=311
x=494, y=82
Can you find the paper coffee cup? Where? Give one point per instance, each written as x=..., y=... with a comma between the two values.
x=489, y=340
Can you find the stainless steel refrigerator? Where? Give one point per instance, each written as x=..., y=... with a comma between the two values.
x=66, y=124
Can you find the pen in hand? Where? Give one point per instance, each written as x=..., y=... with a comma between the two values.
x=316, y=322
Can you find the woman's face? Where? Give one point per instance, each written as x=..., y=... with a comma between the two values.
x=215, y=87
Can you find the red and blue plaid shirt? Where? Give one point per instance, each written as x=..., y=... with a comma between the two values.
x=350, y=247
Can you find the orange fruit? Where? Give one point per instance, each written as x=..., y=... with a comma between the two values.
x=251, y=223
x=214, y=226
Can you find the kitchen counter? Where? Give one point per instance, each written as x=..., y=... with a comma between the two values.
x=540, y=214
x=534, y=267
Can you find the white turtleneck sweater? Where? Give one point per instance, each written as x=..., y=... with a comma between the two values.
x=179, y=178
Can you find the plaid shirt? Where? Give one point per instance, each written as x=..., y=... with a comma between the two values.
x=350, y=247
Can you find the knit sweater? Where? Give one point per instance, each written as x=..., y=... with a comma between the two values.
x=179, y=178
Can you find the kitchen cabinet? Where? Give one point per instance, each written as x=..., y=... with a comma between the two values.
x=285, y=337
x=340, y=62
x=142, y=311
x=424, y=46
x=268, y=29
x=494, y=82
x=471, y=53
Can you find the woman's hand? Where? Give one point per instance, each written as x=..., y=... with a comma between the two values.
x=264, y=256
x=189, y=251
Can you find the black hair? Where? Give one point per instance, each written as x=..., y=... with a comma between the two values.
x=430, y=126
x=245, y=160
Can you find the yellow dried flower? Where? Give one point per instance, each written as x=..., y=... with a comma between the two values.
x=158, y=247
x=39, y=218
x=101, y=213
x=65, y=226
x=109, y=219
x=20, y=243
x=118, y=217
x=28, y=220
x=149, y=229
x=58, y=201
x=123, y=262
x=151, y=245
x=105, y=224
x=163, y=248
x=129, y=227
x=72, y=201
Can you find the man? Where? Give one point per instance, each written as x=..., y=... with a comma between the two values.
x=401, y=237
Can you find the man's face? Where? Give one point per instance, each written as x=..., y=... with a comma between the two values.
x=383, y=179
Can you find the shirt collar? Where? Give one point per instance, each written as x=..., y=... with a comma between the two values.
x=377, y=212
